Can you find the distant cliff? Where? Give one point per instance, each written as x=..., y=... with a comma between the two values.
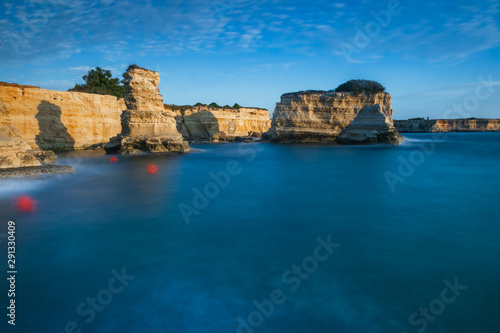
x=49, y=119
x=447, y=125
x=319, y=116
x=206, y=123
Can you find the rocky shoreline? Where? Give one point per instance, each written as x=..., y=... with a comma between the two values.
x=36, y=171
x=35, y=120
x=447, y=125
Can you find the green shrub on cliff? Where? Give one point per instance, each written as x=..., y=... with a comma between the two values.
x=100, y=81
x=215, y=105
x=361, y=86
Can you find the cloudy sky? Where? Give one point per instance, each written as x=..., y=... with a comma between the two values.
x=430, y=55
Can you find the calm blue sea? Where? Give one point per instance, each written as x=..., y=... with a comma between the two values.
x=288, y=238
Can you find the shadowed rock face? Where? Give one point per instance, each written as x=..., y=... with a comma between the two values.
x=146, y=125
x=371, y=125
x=205, y=123
x=319, y=116
x=14, y=152
x=49, y=119
x=52, y=134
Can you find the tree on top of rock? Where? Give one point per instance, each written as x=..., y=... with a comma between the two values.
x=361, y=86
x=100, y=81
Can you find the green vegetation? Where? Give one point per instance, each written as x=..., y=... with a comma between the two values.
x=361, y=86
x=100, y=81
x=215, y=105
x=132, y=66
x=417, y=118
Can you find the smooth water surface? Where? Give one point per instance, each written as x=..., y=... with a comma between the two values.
x=406, y=218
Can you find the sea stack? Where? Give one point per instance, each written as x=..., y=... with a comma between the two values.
x=327, y=116
x=146, y=125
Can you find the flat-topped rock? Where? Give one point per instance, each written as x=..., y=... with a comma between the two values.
x=322, y=116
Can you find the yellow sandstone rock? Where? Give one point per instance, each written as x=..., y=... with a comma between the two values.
x=146, y=125
x=319, y=116
x=14, y=152
x=447, y=125
x=206, y=123
x=49, y=119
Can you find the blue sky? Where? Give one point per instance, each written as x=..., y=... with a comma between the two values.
x=429, y=55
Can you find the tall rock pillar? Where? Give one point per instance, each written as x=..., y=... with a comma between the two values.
x=146, y=125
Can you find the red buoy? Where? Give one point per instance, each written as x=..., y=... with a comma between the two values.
x=113, y=159
x=25, y=204
x=152, y=169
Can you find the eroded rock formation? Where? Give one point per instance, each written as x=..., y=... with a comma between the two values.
x=48, y=119
x=447, y=125
x=206, y=123
x=146, y=125
x=319, y=116
x=370, y=125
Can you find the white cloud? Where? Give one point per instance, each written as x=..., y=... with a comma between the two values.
x=81, y=68
x=122, y=31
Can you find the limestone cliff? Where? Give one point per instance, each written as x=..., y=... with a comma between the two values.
x=49, y=119
x=146, y=125
x=447, y=125
x=14, y=152
x=206, y=123
x=319, y=116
